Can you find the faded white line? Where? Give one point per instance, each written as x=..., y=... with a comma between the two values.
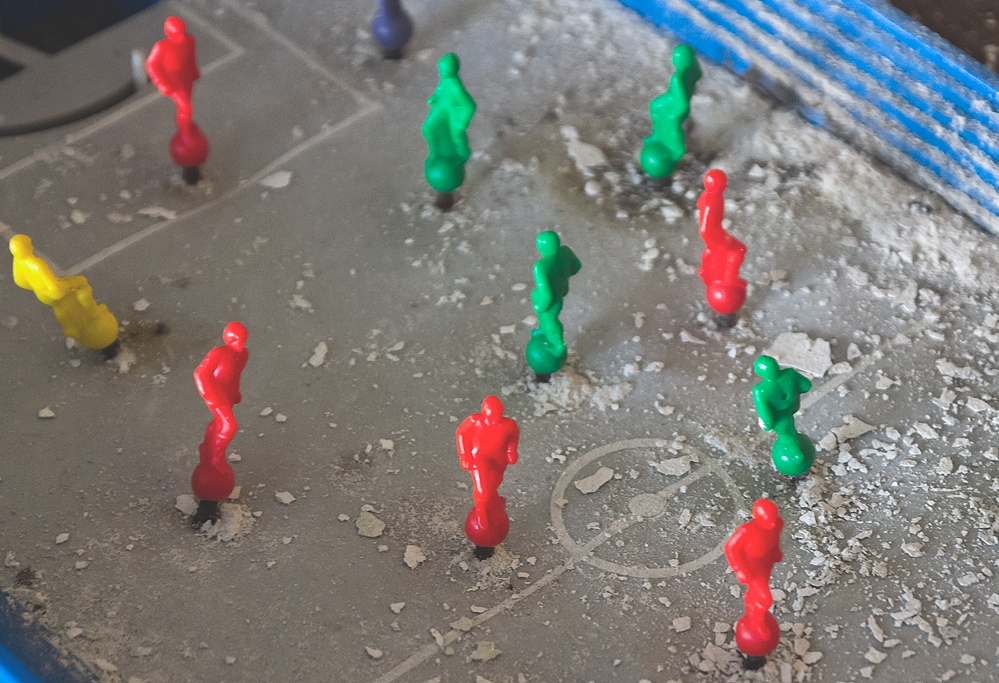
x=621, y=524
x=872, y=359
x=428, y=651
x=298, y=149
x=118, y=114
x=261, y=22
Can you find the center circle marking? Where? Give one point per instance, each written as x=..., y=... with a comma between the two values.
x=643, y=506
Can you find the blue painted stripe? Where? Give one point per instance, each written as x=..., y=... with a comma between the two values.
x=892, y=78
x=735, y=24
x=926, y=44
x=947, y=142
x=939, y=73
x=944, y=160
x=12, y=671
x=707, y=44
x=27, y=654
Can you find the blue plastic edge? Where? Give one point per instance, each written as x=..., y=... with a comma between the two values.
x=919, y=131
x=912, y=36
x=902, y=87
x=26, y=653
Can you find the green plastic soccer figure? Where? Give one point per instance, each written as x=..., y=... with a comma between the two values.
x=451, y=112
x=546, y=352
x=662, y=151
x=778, y=398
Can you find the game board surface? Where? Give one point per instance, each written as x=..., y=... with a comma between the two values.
x=315, y=225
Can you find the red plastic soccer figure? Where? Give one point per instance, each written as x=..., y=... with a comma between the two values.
x=722, y=255
x=752, y=552
x=173, y=69
x=487, y=443
x=217, y=379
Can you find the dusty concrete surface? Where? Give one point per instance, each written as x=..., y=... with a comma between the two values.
x=890, y=543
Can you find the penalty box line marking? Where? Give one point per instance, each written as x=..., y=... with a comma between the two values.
x=878, y=355
x=295, y=151
x=428, y=651
x=453, y=635
x=261, y=23
x=235, y=51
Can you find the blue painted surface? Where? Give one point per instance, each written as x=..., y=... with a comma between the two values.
x=902, y=86
x=860, y=67
x=784, y=49
x=12, y=671
x=28, y=656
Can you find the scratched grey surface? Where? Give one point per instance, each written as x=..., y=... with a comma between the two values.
x=580, y=591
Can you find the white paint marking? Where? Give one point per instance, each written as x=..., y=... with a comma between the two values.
x=876, y=356
x=431, y=649
x=428, y=651
x=125, y=111
x=298, y=149
x=260, y=21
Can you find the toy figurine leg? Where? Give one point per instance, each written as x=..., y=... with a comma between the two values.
x=208, y=511
x=226, y=427
x=726, y=322
x=549, y=323
x=485, y=539
x=793, y=454
x=191, y=174
x=185, y=111
x=444, y=201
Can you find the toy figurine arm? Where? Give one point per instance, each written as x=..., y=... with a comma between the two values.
x=35, y=274
x=240, y=360
x=462, y=437
x=712, y=211
x=204, y=379
x=541, y=296
x=763, y=408
x=154, y=63
x=735, y=555
x=511, y=444
x=574, y=263
x=804, y=384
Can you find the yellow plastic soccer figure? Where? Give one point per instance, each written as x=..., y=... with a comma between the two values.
x=71, y=299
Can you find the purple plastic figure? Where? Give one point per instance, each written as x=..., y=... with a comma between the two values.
x=392, y=28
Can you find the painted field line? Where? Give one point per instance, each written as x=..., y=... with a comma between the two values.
x=872, y=359
x=260, y=21
x=295, y=151
x=235, y=52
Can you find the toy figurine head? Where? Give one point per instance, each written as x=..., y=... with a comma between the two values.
x=683, y=57
x=234, y=335
x=765, y=512
x=449, y=65
x=492, y=408
x=766, y=367
x=715, y=180
x=548, y=243
x=20, y=246
x=174, y=28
